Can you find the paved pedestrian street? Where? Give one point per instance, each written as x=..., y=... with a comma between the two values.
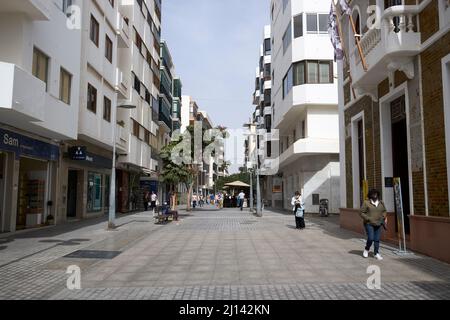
x=210, y=254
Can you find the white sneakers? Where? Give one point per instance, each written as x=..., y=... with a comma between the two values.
x=366, y=254
x=377, y=256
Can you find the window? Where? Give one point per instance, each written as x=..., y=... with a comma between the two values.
x=107, y=109
x=299, y=73
x=136, y=128
x=325, y=72
x=298, y=26
x=303, y=129
x=109, y=49
x=287, y=37
x=312, y=74
x=323, y=23
x=94, y=31
x=138, y=40
x=310, y=71
x=40, y=66
x=267, y=47
x=147, y=137
x=92, y=99
x=65, y=84
x=147, y=97
x=311, y=23
x=287, y=83
x=137, y=84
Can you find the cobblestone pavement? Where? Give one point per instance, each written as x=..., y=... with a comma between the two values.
x=213, y=255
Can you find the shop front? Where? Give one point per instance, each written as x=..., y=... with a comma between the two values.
x=87, y=183
x=27, y=181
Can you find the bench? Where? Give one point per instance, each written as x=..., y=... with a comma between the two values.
x=161, y=218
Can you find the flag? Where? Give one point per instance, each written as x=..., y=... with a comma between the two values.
x=345, y=7
x=333, y=30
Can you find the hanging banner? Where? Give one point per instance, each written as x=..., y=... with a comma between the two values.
x=399, y=213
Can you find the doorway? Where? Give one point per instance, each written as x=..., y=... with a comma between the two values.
x=32, y=189
x=400, y=165
x=72, y=194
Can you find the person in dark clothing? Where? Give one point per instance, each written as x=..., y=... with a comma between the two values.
x=373, y=213
x=298, y=207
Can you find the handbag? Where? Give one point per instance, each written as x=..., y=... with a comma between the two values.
x=299, y=213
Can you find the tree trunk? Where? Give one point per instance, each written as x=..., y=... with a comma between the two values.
x=190, y=188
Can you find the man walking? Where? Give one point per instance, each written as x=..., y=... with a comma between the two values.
x=153, y=199
x=241, y=199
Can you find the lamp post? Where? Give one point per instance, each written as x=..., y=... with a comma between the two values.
x=112, y=188
x=253, y=133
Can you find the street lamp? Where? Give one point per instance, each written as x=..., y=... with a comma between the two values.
x=253, y=133
x=112, y=188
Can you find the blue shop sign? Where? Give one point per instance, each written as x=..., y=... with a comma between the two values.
x=26, y=146
x=149, y=185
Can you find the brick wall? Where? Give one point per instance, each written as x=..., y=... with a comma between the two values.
x=372, y=145
x=433, y=114
x=429, y=20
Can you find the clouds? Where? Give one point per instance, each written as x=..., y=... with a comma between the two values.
x=215, y=47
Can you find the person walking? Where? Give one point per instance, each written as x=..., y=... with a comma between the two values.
x=298, y=207
x=146, y=200
x=194, y=201
x=374, y=215
x=241, y=200
x=153, y=198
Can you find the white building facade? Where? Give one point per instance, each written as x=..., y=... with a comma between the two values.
x=304, y=105
x=39, y=98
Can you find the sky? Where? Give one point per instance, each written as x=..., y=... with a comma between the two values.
x=215, y=49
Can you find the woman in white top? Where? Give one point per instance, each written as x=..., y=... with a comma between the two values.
x=298, y=207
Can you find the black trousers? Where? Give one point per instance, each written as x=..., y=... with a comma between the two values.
x=299, y=223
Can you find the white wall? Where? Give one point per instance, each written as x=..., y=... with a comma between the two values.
x=18, y=36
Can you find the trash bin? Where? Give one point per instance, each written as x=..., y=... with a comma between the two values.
x=324, y=207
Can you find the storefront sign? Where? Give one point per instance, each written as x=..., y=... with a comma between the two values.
x=150, y=185
x=77, y=153
x=91, y=159
x=276, y=189
x=26, y=146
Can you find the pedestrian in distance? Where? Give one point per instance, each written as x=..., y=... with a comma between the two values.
x=373, y=212
x=298, y=207
x=146, y=200
x=194, y=201
x=241, y=198
x=153, y=199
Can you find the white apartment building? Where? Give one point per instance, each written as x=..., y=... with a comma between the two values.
x=66, y=66
x=39, y=99
x=85, y=182
x=305, y=104
x=138, y=82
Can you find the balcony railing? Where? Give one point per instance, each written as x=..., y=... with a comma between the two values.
x=387, y=49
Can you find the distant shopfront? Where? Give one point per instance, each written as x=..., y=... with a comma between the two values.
x=27, y=180
x=87, y=182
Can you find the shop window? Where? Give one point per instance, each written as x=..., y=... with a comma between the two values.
x=95, y=192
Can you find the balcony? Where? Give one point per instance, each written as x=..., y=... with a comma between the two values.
x=123, y=31
x=121, y=139
x=267, y=111
x=308, y=147
x=38, y=10
x=122, y=83
x=390, y=48
x=22, y=96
